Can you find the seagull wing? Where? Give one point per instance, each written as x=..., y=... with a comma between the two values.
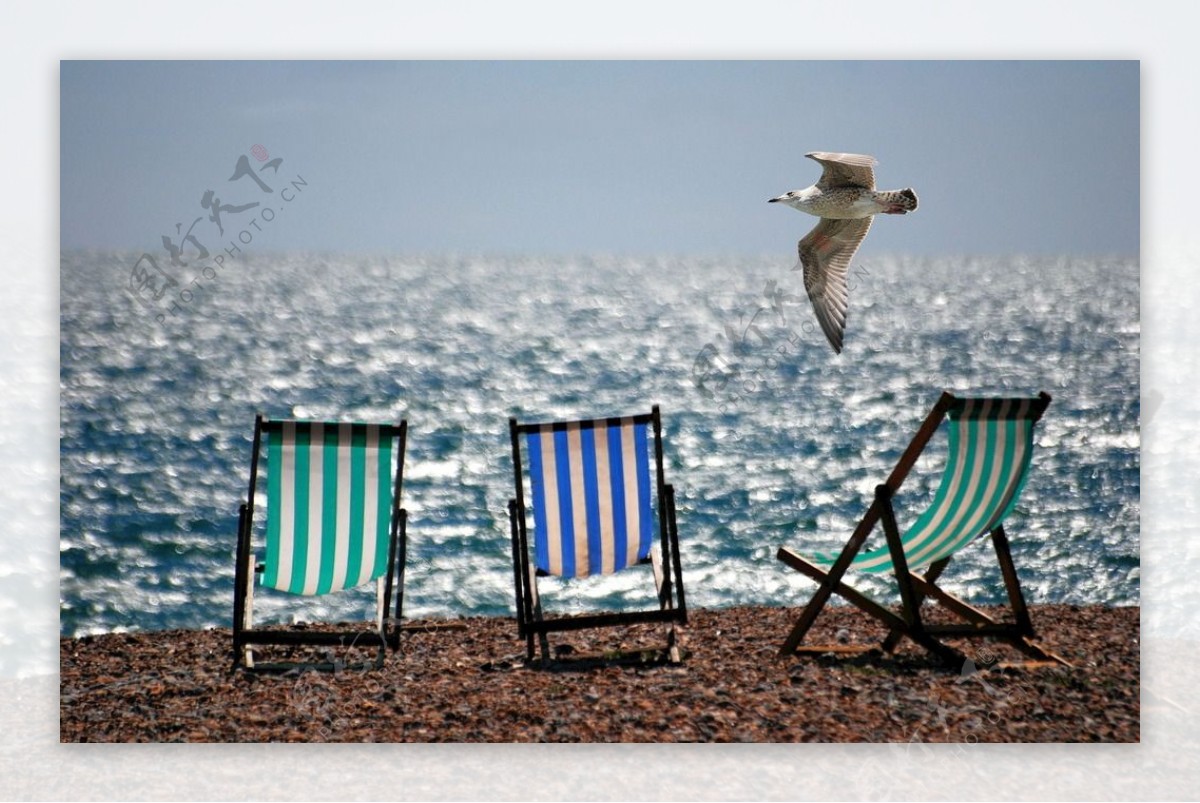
x=844, y=169
x=825, y=255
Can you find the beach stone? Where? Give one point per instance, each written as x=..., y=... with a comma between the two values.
x=474, y=686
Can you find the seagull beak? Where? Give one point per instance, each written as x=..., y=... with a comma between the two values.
x=773, y=200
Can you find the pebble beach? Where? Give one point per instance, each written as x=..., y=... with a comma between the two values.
x=470, y=683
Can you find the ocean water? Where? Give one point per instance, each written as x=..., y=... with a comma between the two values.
x=770, y=438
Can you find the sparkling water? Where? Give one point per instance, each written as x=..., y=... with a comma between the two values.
x=770, y=438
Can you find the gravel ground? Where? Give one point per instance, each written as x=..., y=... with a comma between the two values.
x=472, y=685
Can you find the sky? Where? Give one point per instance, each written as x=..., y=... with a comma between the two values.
x=626, y=157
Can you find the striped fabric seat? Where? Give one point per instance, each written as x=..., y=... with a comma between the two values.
x=990, y=446
x=333, y=522
x=599, y=503
x=329, y=505
x=591, y=499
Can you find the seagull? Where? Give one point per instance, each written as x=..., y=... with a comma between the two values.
x=846, y=201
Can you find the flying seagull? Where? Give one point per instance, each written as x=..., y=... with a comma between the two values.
x=845, y=199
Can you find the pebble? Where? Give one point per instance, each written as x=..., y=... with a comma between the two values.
x=474, y=686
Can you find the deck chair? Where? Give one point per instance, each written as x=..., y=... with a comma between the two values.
x=333, y=522
x=989, y=451
x=592, y=498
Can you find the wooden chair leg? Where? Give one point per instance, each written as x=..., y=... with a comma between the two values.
x=904, y=579
x=535, y=618
x=660, y=581
x=401, y=570
x=908, y=597
x=935, y=571
x=830, y=582
x=1015, y=598
x=677, y=562
x=674, y=653
x=239, y=587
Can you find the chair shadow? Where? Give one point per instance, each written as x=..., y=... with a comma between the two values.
x=566, y=660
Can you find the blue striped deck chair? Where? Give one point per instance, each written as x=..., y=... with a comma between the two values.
x=990, y=445
x=599, y=505
x=333, y=523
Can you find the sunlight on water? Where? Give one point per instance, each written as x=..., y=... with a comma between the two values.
x=28, y=473
x=156, y=420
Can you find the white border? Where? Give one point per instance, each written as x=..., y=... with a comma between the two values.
x=1163, y=38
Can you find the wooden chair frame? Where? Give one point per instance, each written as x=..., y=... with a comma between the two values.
x=668, y=573
x=916, y=587
x=387, y=632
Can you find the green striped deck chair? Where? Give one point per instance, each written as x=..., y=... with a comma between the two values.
x=599, y=505
x=990, y=445
x=333, y=523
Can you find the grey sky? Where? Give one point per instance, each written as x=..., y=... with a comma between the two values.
x=627, y=157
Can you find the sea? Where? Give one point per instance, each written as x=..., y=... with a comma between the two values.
x=770, y=438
